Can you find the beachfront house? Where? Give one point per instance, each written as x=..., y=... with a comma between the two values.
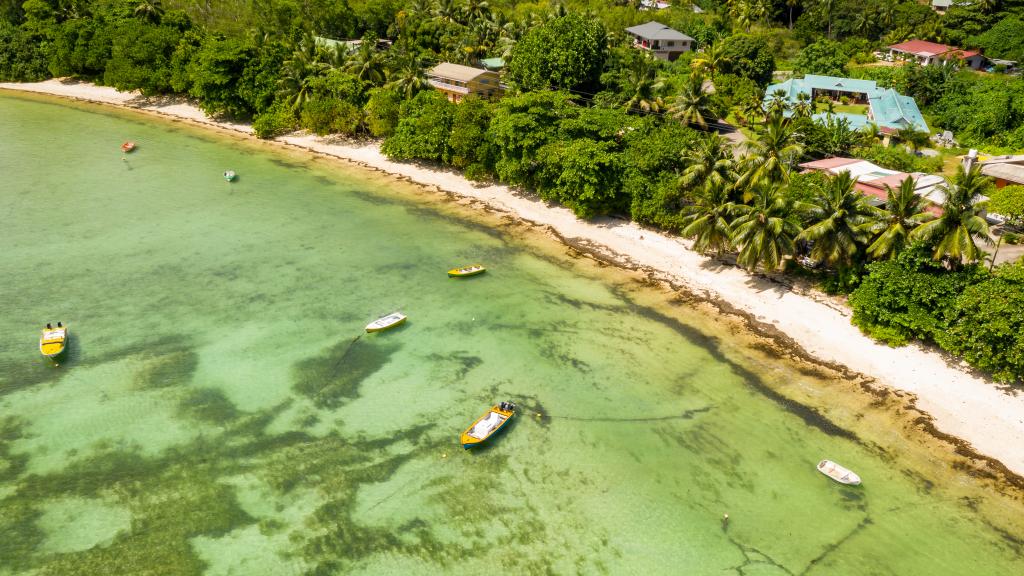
x=660, y=40
x=456, y=81
x=1005, y=170
x=862, y=102
x=871, y=180
x=934, y=54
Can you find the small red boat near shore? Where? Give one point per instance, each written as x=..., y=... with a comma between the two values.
x=127, y=146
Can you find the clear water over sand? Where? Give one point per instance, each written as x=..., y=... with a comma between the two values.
x=221, y=411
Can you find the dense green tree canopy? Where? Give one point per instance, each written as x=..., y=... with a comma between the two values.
x=565, y=53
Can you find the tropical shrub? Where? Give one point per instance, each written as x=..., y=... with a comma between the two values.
x=382, y=109
x=277, y=121
x=424, y=129
x=324, y=116
x=986, y=324
x=909, y=297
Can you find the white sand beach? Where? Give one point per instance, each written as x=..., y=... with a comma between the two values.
x=961, y=404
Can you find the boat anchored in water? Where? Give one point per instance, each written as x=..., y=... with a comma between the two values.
x=53, y=341
x=488, y=425
x=472, y=270
x=229, y=175
x=127, y=146
x=389, y=321
x=838, y=473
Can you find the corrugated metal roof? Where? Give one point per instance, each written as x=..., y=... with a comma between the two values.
x=657, y=31
x=456, y=72
x=1006, y=171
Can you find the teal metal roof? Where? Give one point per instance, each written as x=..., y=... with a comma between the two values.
x=857, y=121
x=889, y=109
x=840, y=84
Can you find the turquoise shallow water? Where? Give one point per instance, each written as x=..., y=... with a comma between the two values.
x=220, y=410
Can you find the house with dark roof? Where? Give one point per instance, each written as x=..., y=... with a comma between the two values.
x=663, y=42
x=886, y=108
x=457, y=81
x=934, y=54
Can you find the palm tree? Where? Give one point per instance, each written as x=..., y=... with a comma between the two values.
x=295, y=84
x=710, y=60
x=904, y=211
x=642, y=80
x=407, y=78
x=445, y=10
x=476, y=10
x=778, y=103
x=149, y=10
x=692, y=106
x=772, y=154
x=707, y=220
x=839, y=217
x=863, y=21
x=791, y=4
x=753, y=106
x=886, y=12
x=952, y=234
x=366, y=63
x=827, y=5
x=709, y=162
x=804, y=107
x=765, y=229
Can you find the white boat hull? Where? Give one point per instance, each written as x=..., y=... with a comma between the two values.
x=838, y=473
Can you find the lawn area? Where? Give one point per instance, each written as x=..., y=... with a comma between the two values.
x=861, y=109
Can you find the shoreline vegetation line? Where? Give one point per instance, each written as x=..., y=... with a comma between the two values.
x=961, y=404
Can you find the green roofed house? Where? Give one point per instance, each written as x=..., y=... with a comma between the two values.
x=493, y=63
x=886, y=108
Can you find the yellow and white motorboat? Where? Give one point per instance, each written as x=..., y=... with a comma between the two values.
x=488, y=425
x=53, y=341
x=465, y=271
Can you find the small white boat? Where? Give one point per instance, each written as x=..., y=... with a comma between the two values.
x=389, y=321
x=838, y=473
x=230, y=175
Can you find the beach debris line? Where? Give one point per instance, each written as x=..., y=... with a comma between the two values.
x=488, y=425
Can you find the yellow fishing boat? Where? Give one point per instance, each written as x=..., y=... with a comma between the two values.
x=53, y=341
x=488, y=425
x=472, y=270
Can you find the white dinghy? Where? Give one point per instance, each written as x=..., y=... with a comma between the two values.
x=389, y=321
x=838, y=473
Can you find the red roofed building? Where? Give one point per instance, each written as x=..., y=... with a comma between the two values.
x=933, y=54
x=872, y=180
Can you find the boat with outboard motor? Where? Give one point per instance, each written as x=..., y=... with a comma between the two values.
x=53, y=341
x=488, y=425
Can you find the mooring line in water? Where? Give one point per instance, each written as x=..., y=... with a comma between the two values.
x=345, y=355
x=686, y=415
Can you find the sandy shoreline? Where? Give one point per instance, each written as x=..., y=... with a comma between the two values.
x=961, y=404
